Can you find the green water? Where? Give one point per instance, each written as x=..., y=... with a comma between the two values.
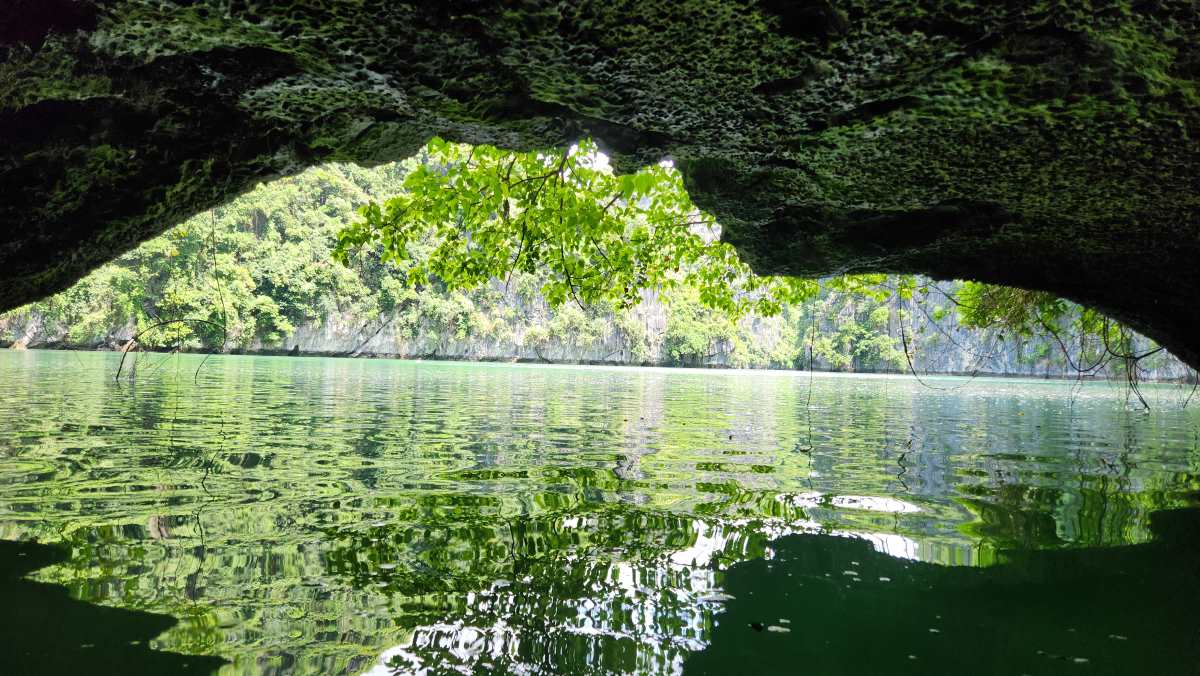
x=321, y=516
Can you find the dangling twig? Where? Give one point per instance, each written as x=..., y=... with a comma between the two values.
x=138, y=336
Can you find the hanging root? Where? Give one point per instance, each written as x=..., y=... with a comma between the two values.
x=132, y=343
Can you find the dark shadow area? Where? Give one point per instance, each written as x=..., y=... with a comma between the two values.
x=829, y=605
x=43, y=631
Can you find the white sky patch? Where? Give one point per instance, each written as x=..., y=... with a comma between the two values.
x=600, y=162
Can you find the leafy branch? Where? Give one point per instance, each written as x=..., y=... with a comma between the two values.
x=597, y=237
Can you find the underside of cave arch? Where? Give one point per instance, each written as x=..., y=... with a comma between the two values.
x=1043, y=145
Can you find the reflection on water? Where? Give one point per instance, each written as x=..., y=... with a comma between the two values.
x=329, y=516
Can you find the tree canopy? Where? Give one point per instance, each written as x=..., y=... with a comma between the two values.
x=599, y=236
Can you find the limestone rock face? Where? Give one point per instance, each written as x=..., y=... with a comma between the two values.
x=1043, y=145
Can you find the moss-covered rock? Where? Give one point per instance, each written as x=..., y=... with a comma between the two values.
x=1043, y=144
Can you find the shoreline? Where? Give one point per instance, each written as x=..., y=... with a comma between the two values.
x=59, y=347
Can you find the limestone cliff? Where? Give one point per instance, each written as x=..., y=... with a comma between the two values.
x=937, y=345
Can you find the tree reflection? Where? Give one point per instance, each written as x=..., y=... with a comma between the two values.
x=627, y=590
x=311, y=516
x=612, y=590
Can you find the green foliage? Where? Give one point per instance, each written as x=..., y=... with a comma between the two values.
x=1086, y=341
x=1021, y=311
x=258, y=267
x=636, y=337
x=695, y=332
x=853, y=327
x=1036, y=313
x=596, y=237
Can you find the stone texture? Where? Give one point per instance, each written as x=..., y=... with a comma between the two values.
x=1040, y=144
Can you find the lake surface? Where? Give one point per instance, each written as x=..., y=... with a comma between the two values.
x=317, y=516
